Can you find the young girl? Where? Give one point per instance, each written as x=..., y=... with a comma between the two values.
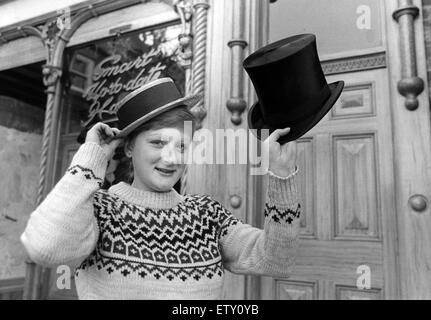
x=144, y=240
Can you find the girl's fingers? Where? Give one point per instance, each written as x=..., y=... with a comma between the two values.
x=108, y=130
x=106, y=133
x=278, y=133
x=115, y=143
x=116, y=133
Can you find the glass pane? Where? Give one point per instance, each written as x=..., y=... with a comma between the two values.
x=79, y=82
x=79, y=66
x=352, y=26
x=113, y=67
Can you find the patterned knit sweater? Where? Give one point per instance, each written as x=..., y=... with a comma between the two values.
x=136, y=244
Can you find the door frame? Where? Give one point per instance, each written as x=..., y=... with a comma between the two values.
x=412, y=147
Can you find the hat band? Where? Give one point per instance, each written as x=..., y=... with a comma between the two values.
x=147, y=101
x=313, y=104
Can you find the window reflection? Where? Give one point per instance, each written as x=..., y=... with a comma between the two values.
x=101, y=73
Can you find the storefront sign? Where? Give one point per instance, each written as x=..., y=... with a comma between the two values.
x=112, y=77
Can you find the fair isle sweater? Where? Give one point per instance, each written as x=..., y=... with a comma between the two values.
x=137, y=244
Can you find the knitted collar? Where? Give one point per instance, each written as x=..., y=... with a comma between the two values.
x=149, y=199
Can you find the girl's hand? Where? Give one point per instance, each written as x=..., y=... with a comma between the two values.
x=282, y=158
x=103, y=135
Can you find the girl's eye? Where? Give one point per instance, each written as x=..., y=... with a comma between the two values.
x=182, y=147
x=158, y=143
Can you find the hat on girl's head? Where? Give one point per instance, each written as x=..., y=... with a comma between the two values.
x=290, y=85
x=149, y=101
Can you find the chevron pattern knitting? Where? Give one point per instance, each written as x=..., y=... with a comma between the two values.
x=280, y=215
x=86, y=173
x=227, y=219
x=177, y=243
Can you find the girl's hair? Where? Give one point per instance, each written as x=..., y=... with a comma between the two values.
x=174, y=118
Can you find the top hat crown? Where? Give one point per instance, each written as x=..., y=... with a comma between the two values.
x=290, y=85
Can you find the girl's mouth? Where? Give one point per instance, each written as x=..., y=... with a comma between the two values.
x=165, y=172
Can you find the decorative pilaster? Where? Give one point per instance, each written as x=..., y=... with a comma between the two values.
x=193, y=56
x=410, y=86
x=200, y=21
x=185, y=11
x=236, y=103
x=54, y=37
x=49, y=34
x=185, y=54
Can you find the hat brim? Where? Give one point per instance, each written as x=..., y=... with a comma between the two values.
x=297, y=129
x=188, y=101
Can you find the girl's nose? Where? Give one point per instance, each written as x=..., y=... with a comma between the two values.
x=170, y=155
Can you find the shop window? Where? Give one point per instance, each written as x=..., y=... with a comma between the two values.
x=101, y=73
x=81, y=71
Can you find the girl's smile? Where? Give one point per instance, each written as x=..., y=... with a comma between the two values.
x=165, y=172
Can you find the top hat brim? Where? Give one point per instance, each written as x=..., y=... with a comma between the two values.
x=188, y=101
x=297, y=129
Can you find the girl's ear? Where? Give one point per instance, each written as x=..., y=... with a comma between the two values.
x=128, y=147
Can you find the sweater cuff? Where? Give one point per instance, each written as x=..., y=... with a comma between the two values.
x=282, y=191
x=91, y=156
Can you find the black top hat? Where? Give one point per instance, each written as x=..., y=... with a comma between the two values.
x=149, y=101
x=290, y=85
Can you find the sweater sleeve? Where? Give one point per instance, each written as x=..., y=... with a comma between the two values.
x=63, y=227
x=269, y=251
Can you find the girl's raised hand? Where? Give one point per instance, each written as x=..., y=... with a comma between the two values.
x=282, y=158
x=103, y=135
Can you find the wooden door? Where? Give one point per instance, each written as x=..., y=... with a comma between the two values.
x=351, y=173
x=347, y=189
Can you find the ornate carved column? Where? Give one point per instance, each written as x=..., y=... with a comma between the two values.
x=193, y=49
x=192, y=14
x=54, y=40
x=185, y=11
x=410, y=86
x=50, y=34
x=200, y=19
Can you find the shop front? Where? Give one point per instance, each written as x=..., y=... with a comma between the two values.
x=364, y=175
x=86, y=58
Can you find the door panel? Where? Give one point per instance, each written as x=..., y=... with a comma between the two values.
x=346, y=185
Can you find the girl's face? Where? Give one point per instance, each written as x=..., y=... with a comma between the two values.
x=159, y=158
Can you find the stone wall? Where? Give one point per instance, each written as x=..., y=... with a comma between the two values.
x=20, y=148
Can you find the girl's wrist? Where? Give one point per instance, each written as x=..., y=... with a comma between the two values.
x=90, y=155
x=283, y=172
